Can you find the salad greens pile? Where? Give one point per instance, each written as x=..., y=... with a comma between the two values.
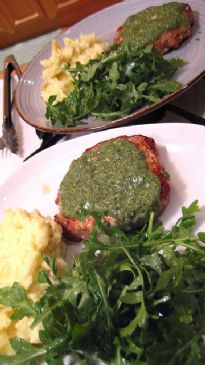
x=127, y=299
x=115, y=85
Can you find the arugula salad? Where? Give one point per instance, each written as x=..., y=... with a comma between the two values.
x=127, y=299
x=122, y=80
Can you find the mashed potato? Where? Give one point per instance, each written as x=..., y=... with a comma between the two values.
x=56, y=80
x=23, y=238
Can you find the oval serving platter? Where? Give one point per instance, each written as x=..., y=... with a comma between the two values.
x=104, y=23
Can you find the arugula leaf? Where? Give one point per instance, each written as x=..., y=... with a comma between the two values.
x=16, y=298
x=191, y=209
x=43, y=276
x=26, y=354
x=201, y=236
x=176, y=63
x=165, y=86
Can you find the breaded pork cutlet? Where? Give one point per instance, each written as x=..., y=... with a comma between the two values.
x=122, y=178
x=164, y=26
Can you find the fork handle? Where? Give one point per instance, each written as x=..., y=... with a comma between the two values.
x=10, y=64
x=7, y=98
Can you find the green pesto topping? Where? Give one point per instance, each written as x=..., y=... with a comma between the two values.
x=113, y=179
x=148, y=25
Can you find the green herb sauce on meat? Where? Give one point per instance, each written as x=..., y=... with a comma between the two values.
x=148, y=25
x=113, y=179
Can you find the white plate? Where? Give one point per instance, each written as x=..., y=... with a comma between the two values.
x=104, y=23
x=181, y=148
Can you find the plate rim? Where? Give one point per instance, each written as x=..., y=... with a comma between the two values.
x=113, y=131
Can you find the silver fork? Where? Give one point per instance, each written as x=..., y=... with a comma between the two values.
x=3, y=147
x=5, y=151
x=8, y=141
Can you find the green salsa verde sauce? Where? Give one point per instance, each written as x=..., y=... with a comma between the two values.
x=114, y=180
x=145, y=27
